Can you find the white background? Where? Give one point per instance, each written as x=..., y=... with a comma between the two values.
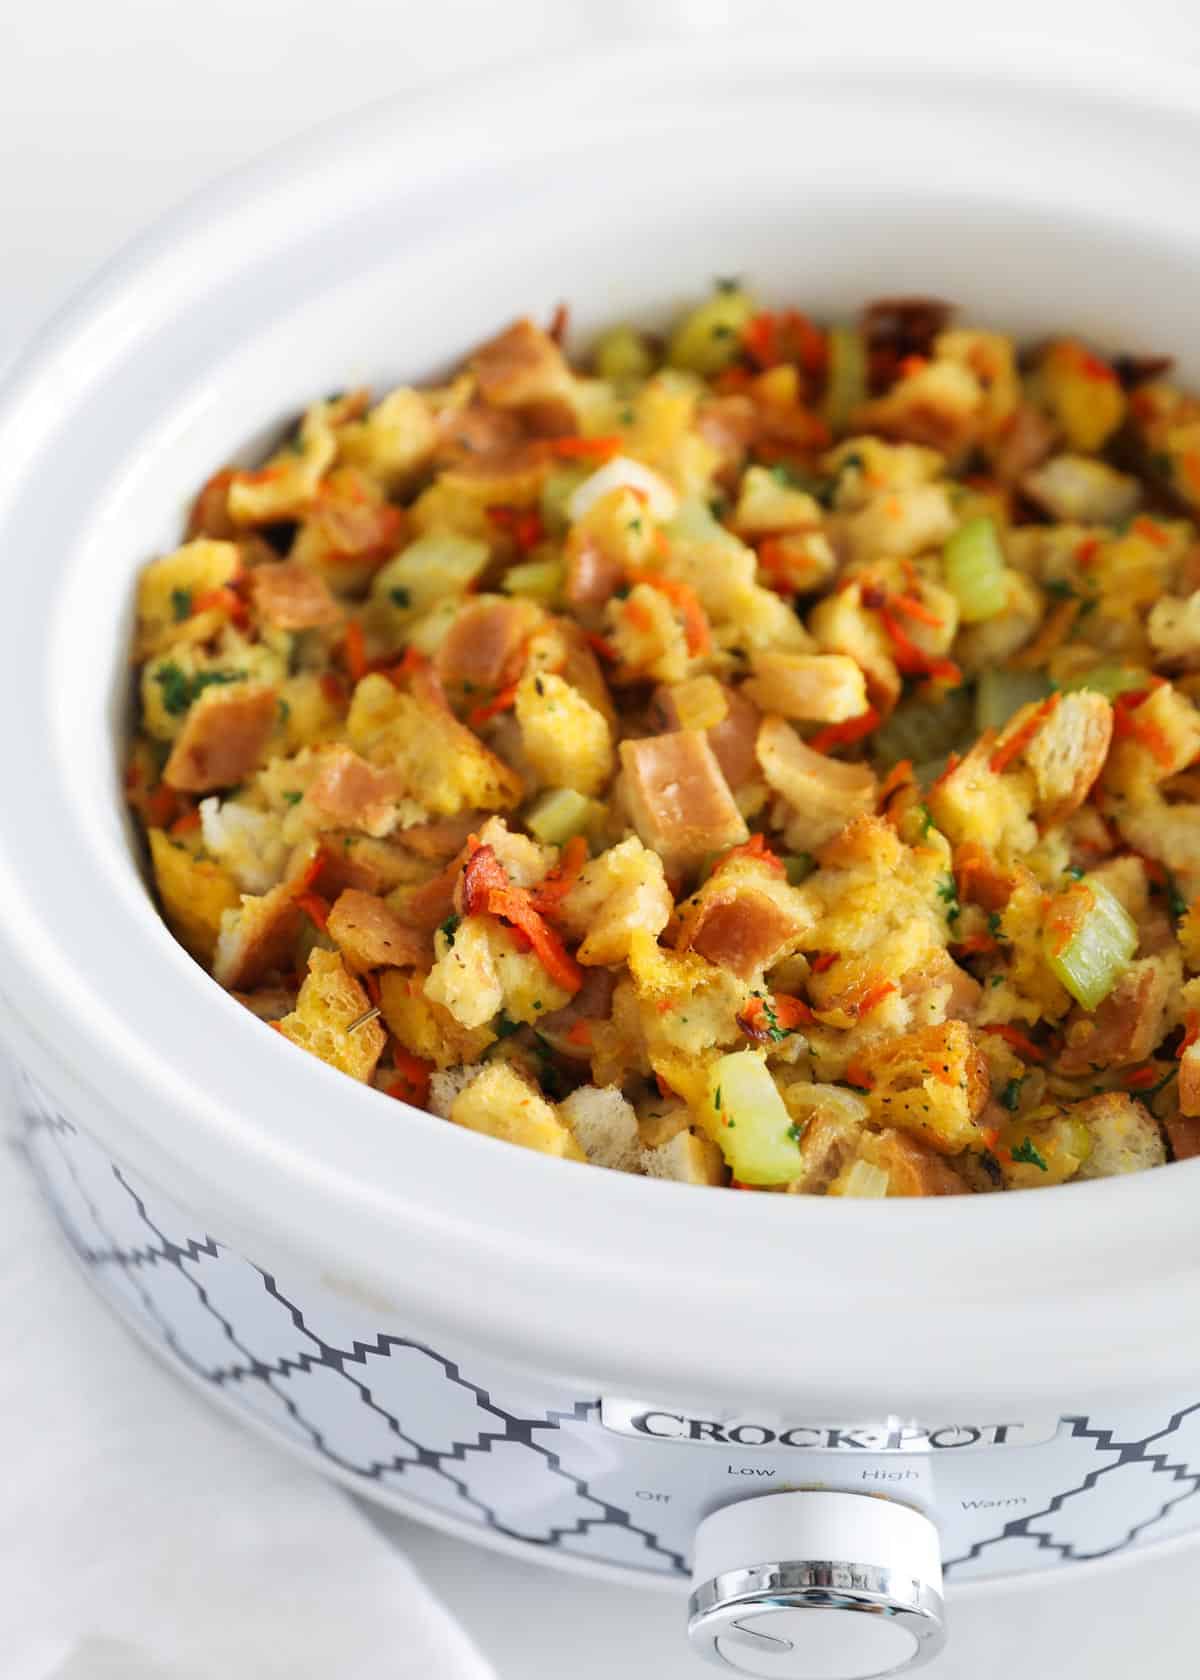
x=110, y=110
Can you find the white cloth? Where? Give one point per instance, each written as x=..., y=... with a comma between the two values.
x=145, y=1537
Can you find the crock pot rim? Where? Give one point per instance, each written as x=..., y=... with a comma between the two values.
x=1073, y=1216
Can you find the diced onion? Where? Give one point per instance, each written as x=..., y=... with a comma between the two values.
x=535, y=580
x=1109, y=680
x=559, y=815
x=921, y=731
x=861, y=1179
x=974, y=567
x=1089, y=940
x=622, y=473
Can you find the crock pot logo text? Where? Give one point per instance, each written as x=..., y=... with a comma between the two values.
x=893, y=1436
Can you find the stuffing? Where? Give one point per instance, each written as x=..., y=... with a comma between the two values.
x=331, y=1001
x=765, y=754
x=501, y=1104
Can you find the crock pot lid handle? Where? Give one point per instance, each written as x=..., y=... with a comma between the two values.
x=813, y=1585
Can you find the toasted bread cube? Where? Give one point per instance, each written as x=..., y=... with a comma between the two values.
x=445, y=1084
x=698, y=703
x=223, y=737
x=523, y=367
x=1124, y=1028
x=901, y=523
x=287, y=486
x=912, y=1169
x=195, y=894
x=444, y=764
x=502, y=1105
x=814, y=687
x=293, y=597
x=330, y=1001
x=823, y=794
x=1080, y=392
x=832, y=1123
x=1067, y=754
x=972, y=802
x=686, y=1158
x=482, y=648
x=393, y=441
x=605, y=1126
x=168, y=588
x=647, y=634
x=679, y=800
x=745, y=918
x=370, y=934
x=766, y=506
x=1125, y=1137
x=841, y=624
x=258, y=938
x=615, y=894
x=566, y=740
x=933, y=1083
x=425, y=1027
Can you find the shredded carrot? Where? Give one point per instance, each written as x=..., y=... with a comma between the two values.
x=683, y=596
x=664, y=1090
x=486, y=886
x=1022, y=1045
x=858, y=1075
x=1012, y=746
x=913, y=607
x=412, y=1085
x=759, y=339
x=224, y=600
x=873, y=997
x=1148, y=528
x=911, y=659
x=559, y=322
x=550, y=892
x=953, y=761
x=764, y=1019
x=354, y=649
x=580, y=1034
x=990, y=1136
x=639, y=615
x=1190, y=1035
x=370, y=982
x=488, y=709
x=911, y=365
x=824, y=960
x=524, y=525
x=897, y=777
x=312, y=871
x=333, y=688
x=604, y=648
x=187, y=822
x=974, y=945
x=1127, y=725
x=162, y=806
x=1056, y=627
x=585, y=448
x=315, y=908
x=1092, y=367
x=755, y=847
x=1088, y=552
x=842, y=734
x=1137, y=1079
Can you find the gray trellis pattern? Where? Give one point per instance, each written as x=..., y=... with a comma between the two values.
x=403, y=1419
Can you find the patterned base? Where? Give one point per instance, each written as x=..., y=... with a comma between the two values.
x=403, y=1419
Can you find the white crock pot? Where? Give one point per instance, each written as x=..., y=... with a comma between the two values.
x=572, y=1362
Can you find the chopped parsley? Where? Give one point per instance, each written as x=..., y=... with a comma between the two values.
x=1176, y=903
x=400, y=597
x=1010, y=1097
x=796, y=1130
x=717, y=1099
x=727, y=283
x=181, y=604
x=721, y=330
x=504, y=1027
x=948, y=893
x=540, y=686
x=293, y=798
x=179, y=690
x=927, y=822
x=1074, y=871
x=634, y=525
x=285, y=711
x=996, y=980
x=450, y=927
x=993, y=924
x=1060, y=589
x=549, y=1074
x=1027, y=1151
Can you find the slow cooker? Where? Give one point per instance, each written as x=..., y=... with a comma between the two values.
x=825, y=1415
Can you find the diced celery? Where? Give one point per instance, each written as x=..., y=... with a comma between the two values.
x=1109, y=680
x=846, y=386
x=559, y=815
x=558, y=487
x=974, y=566
x=535, y=580
x=1089, y=940
x=861, y=1179
x=621, y=354
x=439, y=564
x=694, y=523
x=709, y=337
x=921, y=731
x=1001, y=693
x=747, y=1118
